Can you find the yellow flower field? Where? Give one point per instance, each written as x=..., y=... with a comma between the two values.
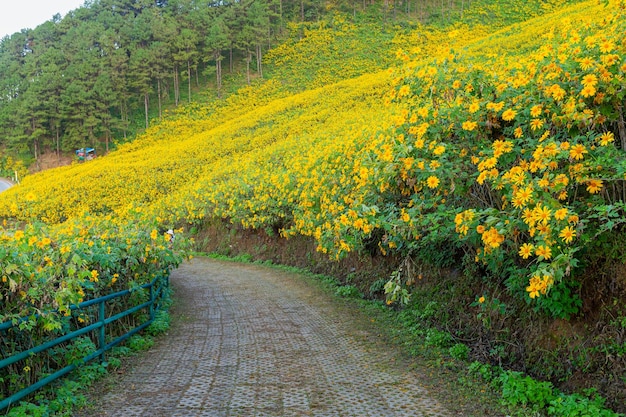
x=509, y=145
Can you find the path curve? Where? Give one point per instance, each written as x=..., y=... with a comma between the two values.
x=253, y=341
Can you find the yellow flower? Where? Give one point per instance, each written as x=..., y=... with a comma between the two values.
x=421, y=129
x=541, y=214
x=577, y=151
x=536, y=124
x=501, y=147
x=589, y=79
x=544, y=250
x=586, y=63
x=404, y=90
x=594, y=186
x=567, y=234
x=481, y=299
x=492, y=238
x=606, y=138
x=480, y=229
x=495, y=106
x=606, y=46
x=94, y=276
x=469, y=125
x=508, y=115
x=432, y=182
x=522, y=196
x=439, y=150
x=474, y=107
x=534, y=288
x=526, y=250
x=588, y=91
x=535, y=111
x=560, y=214
x=557, y=92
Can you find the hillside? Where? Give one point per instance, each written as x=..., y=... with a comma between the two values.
x=487, y=167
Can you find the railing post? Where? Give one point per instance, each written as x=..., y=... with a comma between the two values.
x=152, y=300
x=102, y=333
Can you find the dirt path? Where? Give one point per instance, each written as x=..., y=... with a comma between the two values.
x=252, y=341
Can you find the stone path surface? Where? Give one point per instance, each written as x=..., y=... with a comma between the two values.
x=253, y=341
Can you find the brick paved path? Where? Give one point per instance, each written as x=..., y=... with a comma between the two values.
x=252, y=341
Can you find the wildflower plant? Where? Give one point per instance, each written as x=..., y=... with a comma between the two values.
x=507, y=147
x=520, y=153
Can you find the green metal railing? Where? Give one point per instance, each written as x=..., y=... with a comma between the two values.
x=156, y=290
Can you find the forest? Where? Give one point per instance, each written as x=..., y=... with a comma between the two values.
x=106, y=69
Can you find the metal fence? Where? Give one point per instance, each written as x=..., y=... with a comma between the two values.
x=156, y=290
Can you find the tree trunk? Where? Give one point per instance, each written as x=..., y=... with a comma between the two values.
x=176, y=86
x=58, y=138
x=218, y=73
x=159, y=98
x=123, y=117
x=35, y=143
x=248, y=60
x=145, y=103
x=36, y=152
x=188, y=81
x=92, y=136
x=259, y=57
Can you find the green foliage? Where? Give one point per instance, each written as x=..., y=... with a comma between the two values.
x=438, y=338
x=29, y=410
x=377, y=286
x=491, y=310
x=459, y=351
x=482, y=370
x=518, y=390
x=76, y=351
x=525, y=396
x=161, y=323
x=396, y=290
x=576, y=405
x=348, y=291
x=562, y=302
x=139, y=343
